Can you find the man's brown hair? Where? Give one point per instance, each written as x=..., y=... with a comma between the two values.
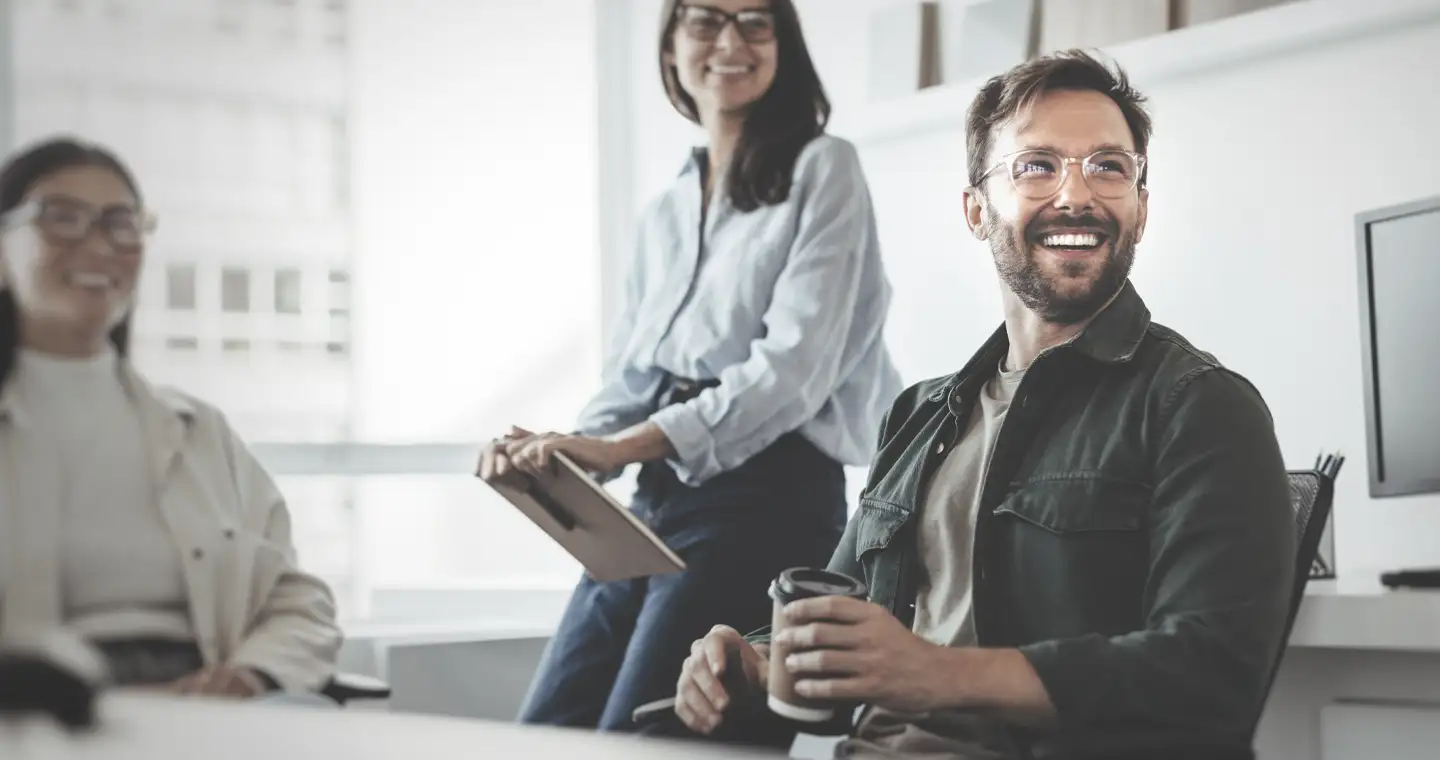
x=1005, y=96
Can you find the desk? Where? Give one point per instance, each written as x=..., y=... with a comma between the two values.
x=155, y=728
x=1357, y=612
x=1363, y=661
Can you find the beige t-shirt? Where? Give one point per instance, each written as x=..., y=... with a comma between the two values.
x=943, y=604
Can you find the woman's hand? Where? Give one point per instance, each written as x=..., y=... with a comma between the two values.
x=495, y=464
x=507, y=459
x=221, y=681
x=599, y=455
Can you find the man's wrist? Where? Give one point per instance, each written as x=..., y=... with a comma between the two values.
x=998, y=680
x=955, y=678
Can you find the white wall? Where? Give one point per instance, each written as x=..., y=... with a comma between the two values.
x=474, y=161
x=1260, y=271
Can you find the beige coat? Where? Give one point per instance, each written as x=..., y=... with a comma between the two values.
x=250, y=604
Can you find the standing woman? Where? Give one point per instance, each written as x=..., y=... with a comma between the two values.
x=747, y=369
x=130, y=514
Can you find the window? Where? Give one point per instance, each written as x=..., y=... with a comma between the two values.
x=339, y=294
x=288, y=297
x=235, y=290
x=366, y=390
x=180, y=287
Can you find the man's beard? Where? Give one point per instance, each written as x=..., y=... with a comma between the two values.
x=1017, y=261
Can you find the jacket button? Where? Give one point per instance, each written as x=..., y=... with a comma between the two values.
x=198, y=553
x=940, y=448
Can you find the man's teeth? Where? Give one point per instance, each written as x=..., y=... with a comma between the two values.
x=92, y=280
x=1082, y=240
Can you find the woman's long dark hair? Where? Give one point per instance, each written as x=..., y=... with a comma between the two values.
x=19, y=174
x=780, y=124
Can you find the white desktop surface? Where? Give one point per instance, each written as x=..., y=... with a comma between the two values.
x=143, y=727
x=1355, y=611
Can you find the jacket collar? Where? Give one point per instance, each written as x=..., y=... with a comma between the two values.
x=1112, y=337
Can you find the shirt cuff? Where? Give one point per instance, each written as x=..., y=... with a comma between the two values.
x=694, y=446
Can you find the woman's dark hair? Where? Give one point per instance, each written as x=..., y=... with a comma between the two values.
x=19, y=174
x=780, y=124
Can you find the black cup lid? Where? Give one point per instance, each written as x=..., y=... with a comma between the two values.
x=808, y=582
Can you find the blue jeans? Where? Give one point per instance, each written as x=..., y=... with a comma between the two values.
x=620, y=645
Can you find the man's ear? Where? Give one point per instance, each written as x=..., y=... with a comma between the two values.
x=975, y=213
x=1143, y=214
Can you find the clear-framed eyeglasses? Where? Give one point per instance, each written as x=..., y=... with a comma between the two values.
x=1038, y=174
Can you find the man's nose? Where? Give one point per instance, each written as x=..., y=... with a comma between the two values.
x=1074, y=193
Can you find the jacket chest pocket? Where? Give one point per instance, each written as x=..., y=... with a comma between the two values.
x=876, y=525
x=1078, y=536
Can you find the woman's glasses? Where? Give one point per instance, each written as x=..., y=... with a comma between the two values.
x=704, y=23
x=66, y=220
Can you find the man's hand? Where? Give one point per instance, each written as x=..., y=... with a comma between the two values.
x=221, y=681
x=864, y=654
x=700, y=699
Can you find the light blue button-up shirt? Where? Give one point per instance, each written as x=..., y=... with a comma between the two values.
x=784, y=305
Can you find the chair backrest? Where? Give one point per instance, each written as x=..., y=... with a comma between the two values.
x=1311, y=495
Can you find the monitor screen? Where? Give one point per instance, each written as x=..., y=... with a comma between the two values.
x=1400, y=302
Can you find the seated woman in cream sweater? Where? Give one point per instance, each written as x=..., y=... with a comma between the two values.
x=130, y=514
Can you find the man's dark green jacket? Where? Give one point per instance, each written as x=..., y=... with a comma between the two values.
x=1135, y=538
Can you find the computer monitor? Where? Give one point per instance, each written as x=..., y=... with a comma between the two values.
x=1399, y=258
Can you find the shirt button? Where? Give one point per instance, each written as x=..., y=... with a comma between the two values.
x=198, y=553
x=229, y=532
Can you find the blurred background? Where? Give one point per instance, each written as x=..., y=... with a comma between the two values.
x=377, y=245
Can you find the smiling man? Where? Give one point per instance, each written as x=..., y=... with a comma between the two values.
x=1081, y=544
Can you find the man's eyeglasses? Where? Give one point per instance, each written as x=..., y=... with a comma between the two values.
x=1038, y=174
x=704, y=23
x=66, y=220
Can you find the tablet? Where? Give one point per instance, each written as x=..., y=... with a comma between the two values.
x=610, y=543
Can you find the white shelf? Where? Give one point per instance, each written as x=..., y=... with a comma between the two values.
x=1272, y=31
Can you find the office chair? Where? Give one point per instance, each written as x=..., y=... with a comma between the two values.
x=1312, y=494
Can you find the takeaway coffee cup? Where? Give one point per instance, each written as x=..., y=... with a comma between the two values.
x=793, y=584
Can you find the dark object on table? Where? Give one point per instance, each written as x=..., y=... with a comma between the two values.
x=1417, y=577
x=55, y=675
x=345, y=687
